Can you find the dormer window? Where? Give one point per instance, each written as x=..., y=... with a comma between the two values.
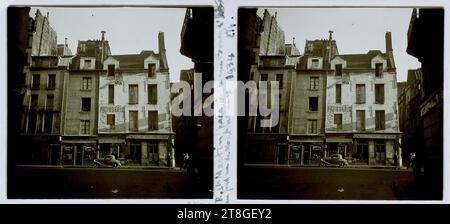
x=87, y=64
x=315, y=63
x=379, y=70
x=338, y=68
x=151, y=70
x=111, y=70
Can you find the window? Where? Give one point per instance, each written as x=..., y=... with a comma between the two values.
x=338, y=121
x=379, y=93
x=36, y=81
x=152, y=92
x=263, y=77
x=338, y=68
x=360, y=93
x=87, y=83
x=51, y=81
x=111, y=94
x=87, y=63
x=111, y=71
x=280, y=80
x=379, y=120
x=152, y=120
x=380, y=152
x=86, y=104
x=48, y=122
x=314, y=83
x=111, y=121
x=50, y=99
x=151, y=70
x=338, y=93
x=34, y=101
x=315, y=63
x=133, y=94
x=134, y=121
x=360, y=120
x=312, y=126
x=379, y=70
x=85, y=126
x=313, y=103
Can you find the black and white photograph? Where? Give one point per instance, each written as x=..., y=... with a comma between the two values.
x=342, y=103
x=101, y=102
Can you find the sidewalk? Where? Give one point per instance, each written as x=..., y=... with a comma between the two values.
x=86, y=166
x=317, y=165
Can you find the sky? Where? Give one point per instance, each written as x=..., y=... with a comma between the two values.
x=356, y=30
x=128, y=30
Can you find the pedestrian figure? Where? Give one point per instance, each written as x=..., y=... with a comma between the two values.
x=412, y=160
x=185, y=160
x=395, y=160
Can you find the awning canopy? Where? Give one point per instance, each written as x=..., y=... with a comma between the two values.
x=339, y=140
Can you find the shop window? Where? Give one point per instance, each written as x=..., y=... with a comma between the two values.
x=153, y=155
x=133, y=94
x=380, y=152
x=48, y=122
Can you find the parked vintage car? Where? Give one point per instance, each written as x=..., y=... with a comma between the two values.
x=334, y=160
x=107, y=161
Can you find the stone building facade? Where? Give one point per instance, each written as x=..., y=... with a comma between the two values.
x=361, y=121
x=134, y=120
x=44, y=36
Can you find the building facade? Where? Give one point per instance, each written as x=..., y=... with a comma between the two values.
x=44, y=36
x=43, y=103
x=134, y=120
x=361, y=120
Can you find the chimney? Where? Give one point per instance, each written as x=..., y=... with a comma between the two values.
x=331, y=35
x=293, y=41
x=162, y=53
x=65, y=41
x=103, y=47
x=389, y=51
x=388, y=42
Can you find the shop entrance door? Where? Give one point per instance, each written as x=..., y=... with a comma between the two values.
x=362, y=154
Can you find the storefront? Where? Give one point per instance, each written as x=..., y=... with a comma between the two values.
x=306, y=150
x=78, y=152
x=149, y=149
x=376, y=149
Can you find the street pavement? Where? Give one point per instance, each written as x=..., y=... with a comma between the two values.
x=325, y=183
x=53, y=182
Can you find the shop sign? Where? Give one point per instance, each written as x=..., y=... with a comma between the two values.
x=112, y=109
x=339, y=108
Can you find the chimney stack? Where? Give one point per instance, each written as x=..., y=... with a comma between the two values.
x=65, y=41
x=388, y=42
x=103, y=47
x=331, y=35
x=163, y=66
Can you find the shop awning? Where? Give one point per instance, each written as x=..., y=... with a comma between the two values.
x=111, y=140
x=78, y=141
x=150, y=137
x=376, y=136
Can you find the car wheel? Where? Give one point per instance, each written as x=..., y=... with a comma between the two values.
x=322, y=164
x=115, y=165
x=341, y=164
x=95, y=165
